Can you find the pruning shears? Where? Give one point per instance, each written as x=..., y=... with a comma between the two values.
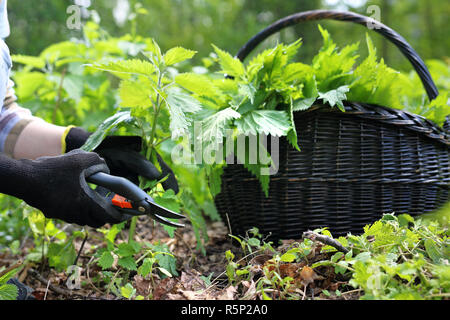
x=130, y=199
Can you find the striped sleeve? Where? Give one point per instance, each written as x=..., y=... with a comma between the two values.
x=13, y=119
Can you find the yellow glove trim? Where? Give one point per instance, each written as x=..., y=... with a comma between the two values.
x=63, y=139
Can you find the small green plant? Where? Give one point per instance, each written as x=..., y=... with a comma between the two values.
x=117, y=260
x=8, y=291
x=397, y=257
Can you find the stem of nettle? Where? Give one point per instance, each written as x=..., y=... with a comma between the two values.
x=155, y=117
x=157, y=107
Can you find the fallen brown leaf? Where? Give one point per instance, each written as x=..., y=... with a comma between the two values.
x=228, y=293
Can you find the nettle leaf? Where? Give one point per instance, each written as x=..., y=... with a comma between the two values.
x=269, y=122
x=127, y=263
x=310, y=94
x=125, y=250
x=8, y=292
x=177, y=54
x=292, y=49
x=4, y=278
x=170, y=201
x=153, y=50
x=331, y=62
x=179, y=104
x=213, y=127
x=134, y=94
x=106, y=260
x=274, y=63
x=198, y=84
x=292, y=134
x=28, y=83
x=297, y=71
x=336, y=96
x=102, y=131
x=256, y=160
x=248, y=90
x=147, y=266
x=35, y=62
x=60, y=256
x=74, y=86
x=132, y=66
x=230, y=65
x=61, y=50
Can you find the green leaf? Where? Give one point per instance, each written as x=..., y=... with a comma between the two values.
x=214, y=126
x=303, y=104
x=113, y=231
x=433, y=251
x=309, y=92
x=61, y=255
x=36, y=62
x=62, y=50
x=4, y=278
x=288, y=257
x=125, y=250
x=197, y=83
x=179, y=104
x=154, y=51
x=292, y=136
x=168, y=200
x=254, y=242
x=165, y=272
x=127, y=291
x=106, y=260
x=338, y=255
x=28, y=83
x=132, y=66
x=230, y=65
x=147, y=266
x=269, y=122
x=177, y=54
x=334, y=97
x=134, y=94
x=102, y=131
x=297, y=71
x=8, y=292
x=165, y=259
x=248, y=90
x=127, y=263
x=74, y=86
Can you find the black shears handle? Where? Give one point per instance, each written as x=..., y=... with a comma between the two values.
x=131, y=199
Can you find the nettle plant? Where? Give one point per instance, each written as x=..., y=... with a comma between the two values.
x=153, y=106
x=259, y=98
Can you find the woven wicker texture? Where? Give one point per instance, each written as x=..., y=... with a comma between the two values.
x=352, y=168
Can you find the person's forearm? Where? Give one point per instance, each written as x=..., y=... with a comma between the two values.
x=24, y=136
x=37, y=139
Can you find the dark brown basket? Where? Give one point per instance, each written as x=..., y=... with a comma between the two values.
x=353, y=166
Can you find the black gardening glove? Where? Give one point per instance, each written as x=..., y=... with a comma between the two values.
x=57, y=186
x=121, y=153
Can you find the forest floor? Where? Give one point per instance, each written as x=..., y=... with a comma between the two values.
x=193, y=268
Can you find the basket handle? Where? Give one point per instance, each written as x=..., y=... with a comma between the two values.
x=379, y=27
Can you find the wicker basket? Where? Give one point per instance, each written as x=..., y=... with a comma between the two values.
x=353, y=166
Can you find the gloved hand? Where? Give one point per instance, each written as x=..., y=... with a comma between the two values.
x=57, y=186
x=122, y=156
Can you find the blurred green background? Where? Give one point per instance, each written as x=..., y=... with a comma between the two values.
x=195, y=24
